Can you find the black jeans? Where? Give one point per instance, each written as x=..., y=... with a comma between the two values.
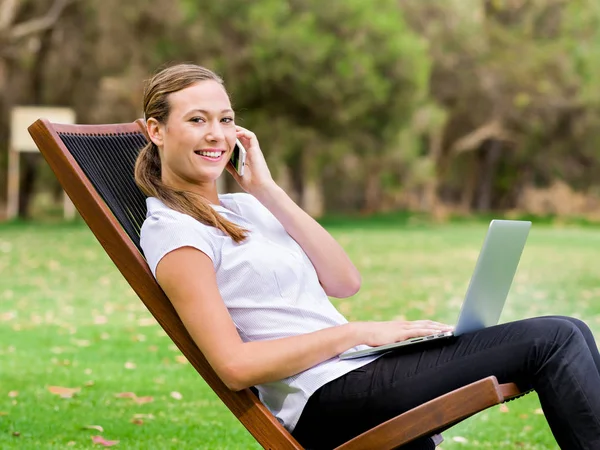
x=556, y=356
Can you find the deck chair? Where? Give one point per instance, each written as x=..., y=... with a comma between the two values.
x=94, y=164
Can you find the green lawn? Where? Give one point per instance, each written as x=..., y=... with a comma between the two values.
x=68, y=319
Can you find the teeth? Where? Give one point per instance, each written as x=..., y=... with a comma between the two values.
x=210, y=154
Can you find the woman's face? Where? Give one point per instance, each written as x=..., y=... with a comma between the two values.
x=197, y=141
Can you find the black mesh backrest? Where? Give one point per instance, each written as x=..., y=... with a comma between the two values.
x=108, y=161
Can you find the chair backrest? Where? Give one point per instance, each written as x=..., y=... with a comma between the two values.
x=108, y=161
x=94, y=164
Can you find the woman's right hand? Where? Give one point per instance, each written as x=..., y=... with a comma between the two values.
x=257, y=175
x=375, y=334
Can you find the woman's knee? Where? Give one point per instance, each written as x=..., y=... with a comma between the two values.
x=558, y=328
x=580, y=324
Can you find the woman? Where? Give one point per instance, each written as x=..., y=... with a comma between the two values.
x=249, y=275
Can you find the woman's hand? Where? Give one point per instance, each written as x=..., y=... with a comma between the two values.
x=375, y=334
x=256, y=173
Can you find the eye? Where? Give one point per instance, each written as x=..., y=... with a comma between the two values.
x=227, y=119
x=196, y=119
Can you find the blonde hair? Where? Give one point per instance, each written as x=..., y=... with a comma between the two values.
x=148, y=165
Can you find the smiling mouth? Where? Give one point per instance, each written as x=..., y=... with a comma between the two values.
x=209, y=155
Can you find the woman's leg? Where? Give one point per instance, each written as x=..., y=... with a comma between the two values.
x=587, y=335
x=549, y=354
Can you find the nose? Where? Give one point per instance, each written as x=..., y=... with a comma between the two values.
x=215, y=131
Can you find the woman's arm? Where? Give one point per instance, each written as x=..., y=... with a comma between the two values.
x=338, y=276
x=188, y=278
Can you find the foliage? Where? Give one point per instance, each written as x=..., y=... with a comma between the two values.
x=316, y=80
x=518, y=73
x=372, y=105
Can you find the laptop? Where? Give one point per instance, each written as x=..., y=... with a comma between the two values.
x=488, y=288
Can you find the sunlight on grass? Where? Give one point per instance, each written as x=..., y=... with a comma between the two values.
x=69, y=320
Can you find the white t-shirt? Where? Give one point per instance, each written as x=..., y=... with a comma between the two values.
x=267, y=282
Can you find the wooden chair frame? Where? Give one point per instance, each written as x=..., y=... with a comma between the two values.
x=427, y=419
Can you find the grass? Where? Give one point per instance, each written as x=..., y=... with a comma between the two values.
x=68, y=319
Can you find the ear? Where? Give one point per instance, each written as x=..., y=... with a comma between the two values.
x=155, y=131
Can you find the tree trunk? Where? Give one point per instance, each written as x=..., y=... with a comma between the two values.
x=312, y=198
x=296, y=165
x=431, y=195
x=470, y=185
x=373, y=187
x=4, y=124
x=283, y=179
x=491, y=151
x=31, y=162
x=309, y=185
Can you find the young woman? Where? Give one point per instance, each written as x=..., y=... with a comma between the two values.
x=250, y=274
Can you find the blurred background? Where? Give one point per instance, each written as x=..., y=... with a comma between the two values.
x=442, y=107
x=403, y=111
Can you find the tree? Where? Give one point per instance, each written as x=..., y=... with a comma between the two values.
x=25, y=27
x=318, y=79
x=358, y=105
x=511, y=76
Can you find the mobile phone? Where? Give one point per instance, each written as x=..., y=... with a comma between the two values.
x=238, y=158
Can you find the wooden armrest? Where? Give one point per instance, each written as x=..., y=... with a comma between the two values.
x=433, y=416
x=510, y=391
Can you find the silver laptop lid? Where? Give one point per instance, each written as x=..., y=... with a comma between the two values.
x=493, y=275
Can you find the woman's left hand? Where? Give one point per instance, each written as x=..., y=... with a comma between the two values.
x=257, y=175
